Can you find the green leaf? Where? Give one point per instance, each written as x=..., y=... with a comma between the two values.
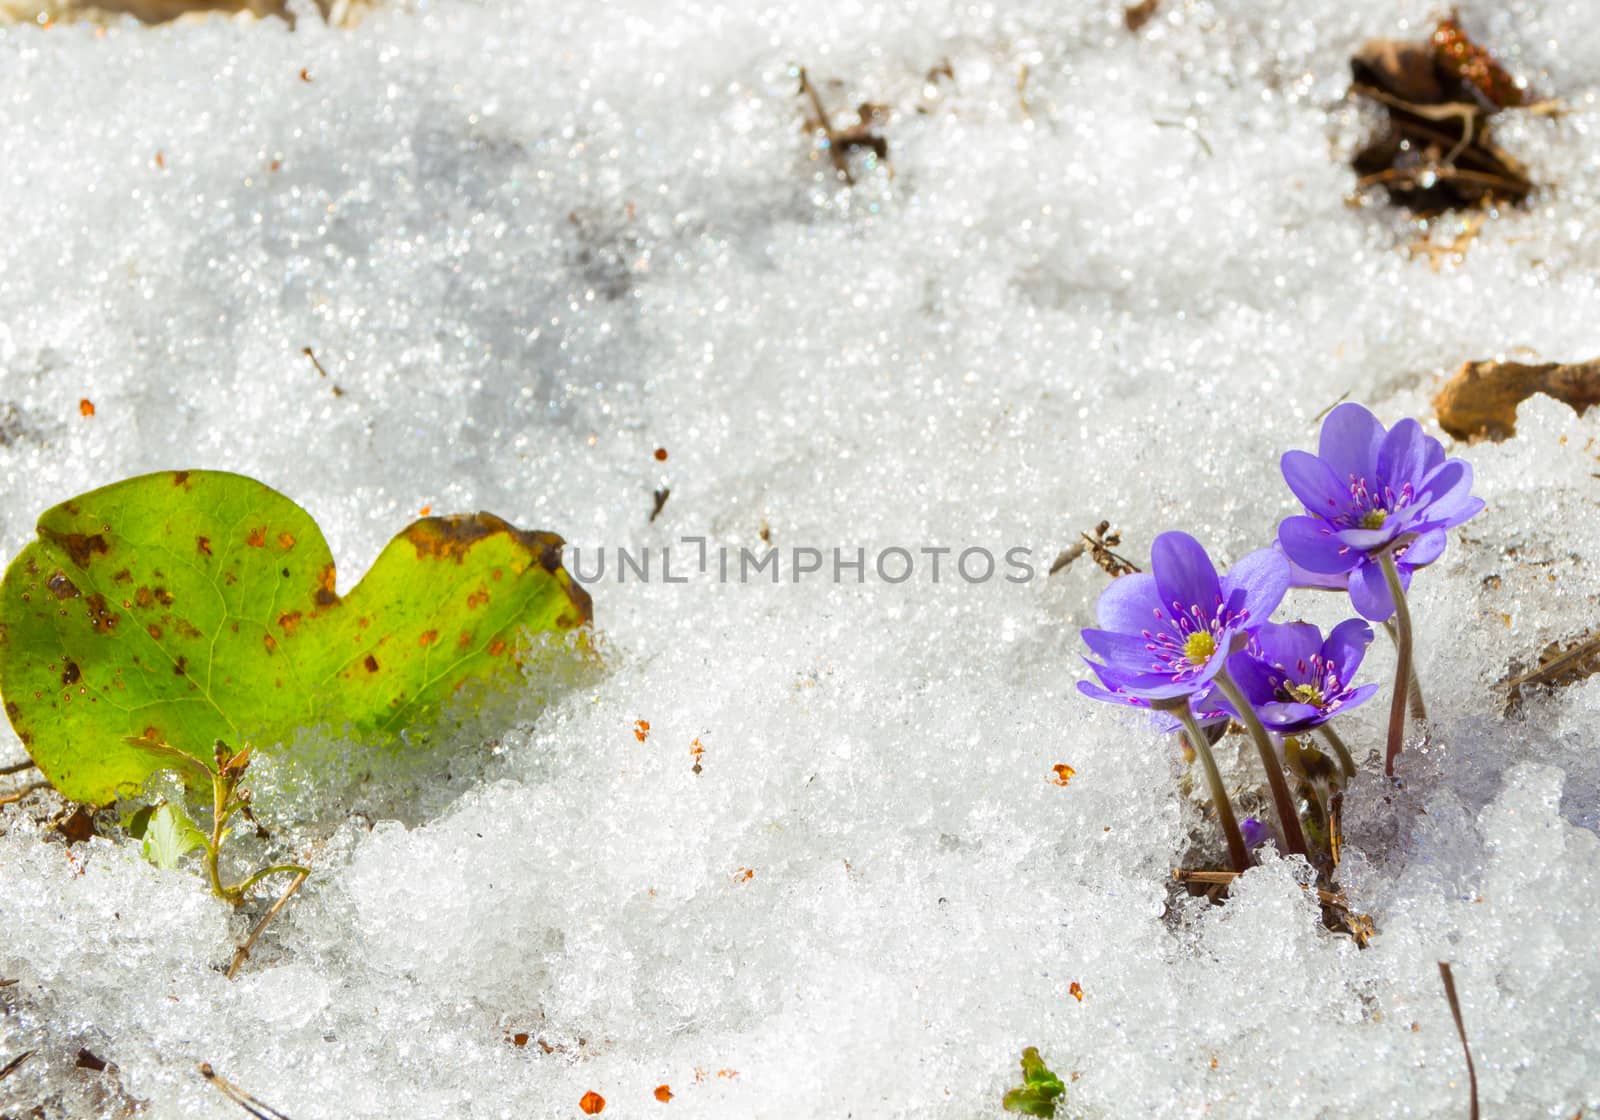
x=1040, y=1088
x=180, y=608
x=169, y=836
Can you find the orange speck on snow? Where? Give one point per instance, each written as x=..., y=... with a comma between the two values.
x=86, y=407
x=663, y=1093
x=592, y=1103
x=1076, y=991
x=424, y=511
x=1063, y=774
x=641, y=729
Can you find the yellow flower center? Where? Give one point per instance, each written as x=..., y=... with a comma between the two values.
x=1307, y=694
x=1199, y=648
x=1374, y=518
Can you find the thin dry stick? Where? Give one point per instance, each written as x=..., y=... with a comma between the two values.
x=243, y=952
x=15, y=1064
x=1553, y=668
x=841, y=162
x=1461, y=1029
x=238, y=1096
x=19, y=794
x=17, y=767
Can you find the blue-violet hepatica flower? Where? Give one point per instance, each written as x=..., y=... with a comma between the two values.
x=1365, y=489
x=1167, y=633
x=1295, y=680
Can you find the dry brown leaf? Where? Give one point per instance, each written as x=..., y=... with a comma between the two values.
x=1480, y=401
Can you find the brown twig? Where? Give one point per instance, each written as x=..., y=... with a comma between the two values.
x=15, y=1063
x=841, y=163
x=243, y=952
x=1461, y=1029
x=18, y=794
x=238, y=1096
x=17, y=767
x=312, y=354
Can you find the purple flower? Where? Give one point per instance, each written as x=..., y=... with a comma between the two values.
x=1255, y=833
x=1365, y=489
x=1168, y=632
x=1295, y=680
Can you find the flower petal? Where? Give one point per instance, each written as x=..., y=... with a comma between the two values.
x=1287, y=718
x=1315, y=581
x=1424, y=550
x=1447, y=494
x=1254, y=677
x=1290, y=646
x=1256, y=584
x=1318, y=489
x=1121, y=651
x=1308, y=542
x=1354, y=698
x=1130, y=604
x=1369, y=592
x=1365, y=540
x=1350, y=440
x=1185, y=576
x=1346, y=646
x=1106, y=696
x=1403, y=455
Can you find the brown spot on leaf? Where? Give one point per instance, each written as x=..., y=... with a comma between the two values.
x=270, y=642
x=154, y=631
x=257, y=537
x=81, y=547
x=371, y=663
x=477, y=598
x=427, y=638
x=62, y=587
x=497, y=647
x=465, y=641
x=180, y=478
x=163, y=596
x=180, y=667
x=203, y=544
x=286, y=541
x=289, y=622
x=101, y=616
x=123, y=576
x=326, y=595
x=144, y=597
x=70, y=674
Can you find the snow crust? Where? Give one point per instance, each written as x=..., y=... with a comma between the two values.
x=531, y=243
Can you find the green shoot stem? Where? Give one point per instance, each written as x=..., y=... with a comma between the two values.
x=1282, y=799
x=1402, y=668
x=1347, y=763
x=1238, y=852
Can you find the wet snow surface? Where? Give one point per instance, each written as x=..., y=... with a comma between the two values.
x=531, y=244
